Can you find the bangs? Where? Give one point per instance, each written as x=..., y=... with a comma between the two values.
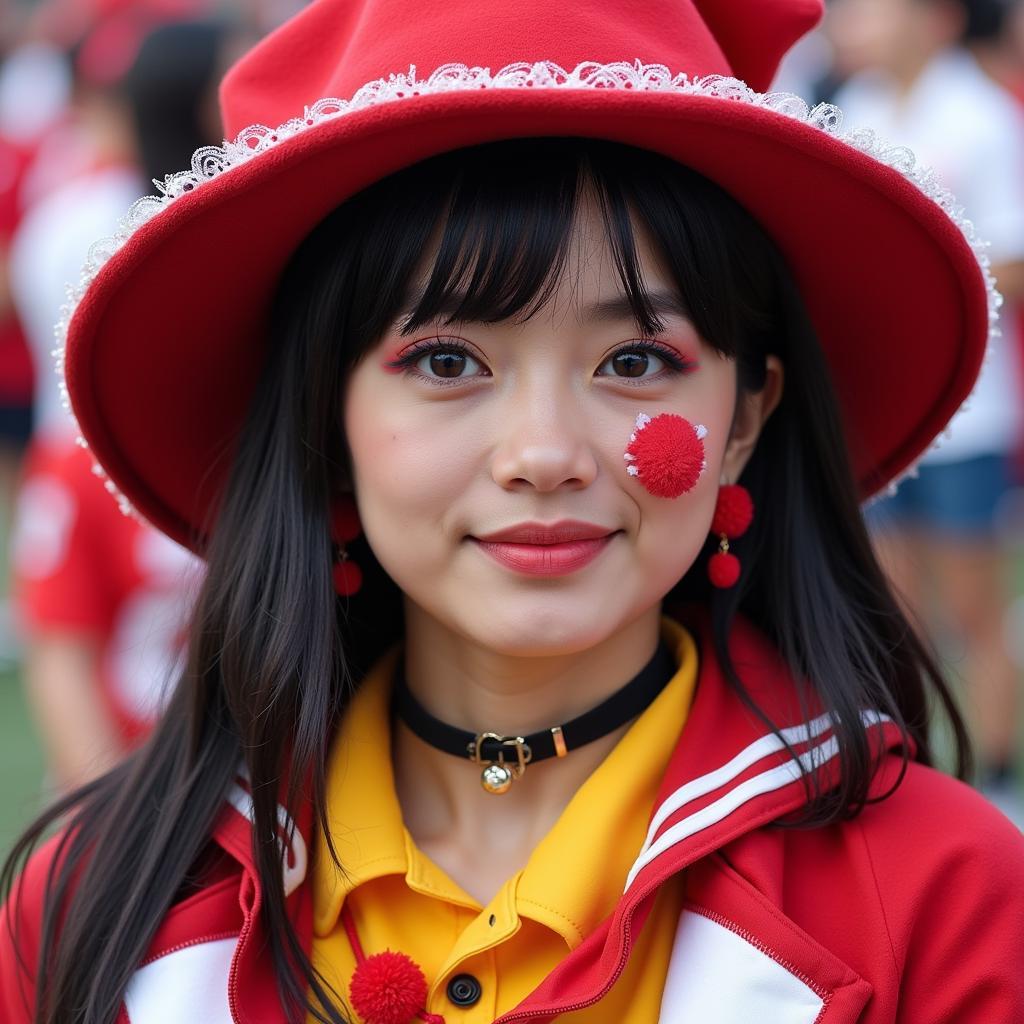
x=505, y=228
x=486, y=234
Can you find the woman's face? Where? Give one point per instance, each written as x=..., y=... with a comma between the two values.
x=458, y=432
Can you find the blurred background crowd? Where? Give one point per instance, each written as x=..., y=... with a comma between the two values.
x=100, y=97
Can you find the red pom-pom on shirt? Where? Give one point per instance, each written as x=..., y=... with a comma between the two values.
x=388, y=988
x=723, y=570
x=666, y=454
x=734, y=511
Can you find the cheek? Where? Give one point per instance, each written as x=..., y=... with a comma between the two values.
x=719, y=423
x=408, y=468
x=674, y=532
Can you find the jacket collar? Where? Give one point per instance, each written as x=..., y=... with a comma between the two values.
x=729, y=775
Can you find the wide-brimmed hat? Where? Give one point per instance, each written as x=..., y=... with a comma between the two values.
x=165, y=337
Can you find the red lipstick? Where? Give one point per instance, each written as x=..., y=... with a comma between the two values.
x=546, y=549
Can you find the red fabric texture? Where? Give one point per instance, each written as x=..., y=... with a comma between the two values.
x=896, y=917
x=21, y=935
x=17, y=371
x=903, y=324
x=754, y=34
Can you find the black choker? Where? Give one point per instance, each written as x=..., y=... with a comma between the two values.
x=491, y=749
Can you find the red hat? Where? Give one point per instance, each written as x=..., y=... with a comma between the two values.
x=166, y=335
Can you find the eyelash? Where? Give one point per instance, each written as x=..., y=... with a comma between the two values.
x=674, y=363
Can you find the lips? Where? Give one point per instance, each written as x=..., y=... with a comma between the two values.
x=546, y=549
x=547, y=533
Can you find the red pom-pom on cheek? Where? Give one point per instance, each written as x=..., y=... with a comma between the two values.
x=388, y=988
x=666, y=454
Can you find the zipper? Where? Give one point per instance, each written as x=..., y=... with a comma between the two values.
x=215, y=937
x=627, y=929
x=627, y=943
x=681, y=863
x=243, y=936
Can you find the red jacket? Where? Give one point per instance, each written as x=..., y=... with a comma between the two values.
x=912, y=913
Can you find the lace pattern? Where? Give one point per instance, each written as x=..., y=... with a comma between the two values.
x=212, y=161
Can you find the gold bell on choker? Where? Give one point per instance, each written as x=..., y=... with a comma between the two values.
x=497, y=776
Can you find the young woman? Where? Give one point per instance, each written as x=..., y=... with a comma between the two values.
x=522, y=412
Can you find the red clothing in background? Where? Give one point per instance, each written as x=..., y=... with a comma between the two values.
x=80, y=565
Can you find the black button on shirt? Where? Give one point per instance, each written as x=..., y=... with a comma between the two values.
x=464, y=990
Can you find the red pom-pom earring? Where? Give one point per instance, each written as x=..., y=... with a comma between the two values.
x=734, y=512
x=666, y=454
x=345, y=527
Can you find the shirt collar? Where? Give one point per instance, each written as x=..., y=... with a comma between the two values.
x=362, y=806
x=602, y=827
x=370, y=838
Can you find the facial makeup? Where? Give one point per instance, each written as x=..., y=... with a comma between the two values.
x=666, y=454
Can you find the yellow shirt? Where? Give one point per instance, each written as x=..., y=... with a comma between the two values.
x=401, y=900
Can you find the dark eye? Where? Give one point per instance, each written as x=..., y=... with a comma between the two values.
x=634, y=363
x=645, y=360
x=630, y=364
x=445, y=363
x=442, y=361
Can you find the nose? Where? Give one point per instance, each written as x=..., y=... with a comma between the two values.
x=544, y=442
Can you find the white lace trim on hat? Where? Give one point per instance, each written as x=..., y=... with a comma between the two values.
x=212, y=161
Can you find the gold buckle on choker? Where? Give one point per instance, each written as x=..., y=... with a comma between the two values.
x=498, y=776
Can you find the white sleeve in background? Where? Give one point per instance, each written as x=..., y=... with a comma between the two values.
x=994, y=175
x=47, y=254
x=970, y=132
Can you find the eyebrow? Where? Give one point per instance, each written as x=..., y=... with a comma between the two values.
x=662, y=303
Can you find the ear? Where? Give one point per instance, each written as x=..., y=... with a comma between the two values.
x=752, y=411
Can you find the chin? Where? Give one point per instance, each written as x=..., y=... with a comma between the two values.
x=541, y=631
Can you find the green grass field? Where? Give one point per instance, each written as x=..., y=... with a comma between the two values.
x=21, y=762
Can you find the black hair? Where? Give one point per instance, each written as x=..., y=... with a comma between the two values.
x=274, y=654
x=985, y=19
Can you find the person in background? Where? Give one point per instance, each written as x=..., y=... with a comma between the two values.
x=101, y=595
x=17, y=373
x=999, y=44
x=1013, y=51
x=922, y=87
x=33, y=95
